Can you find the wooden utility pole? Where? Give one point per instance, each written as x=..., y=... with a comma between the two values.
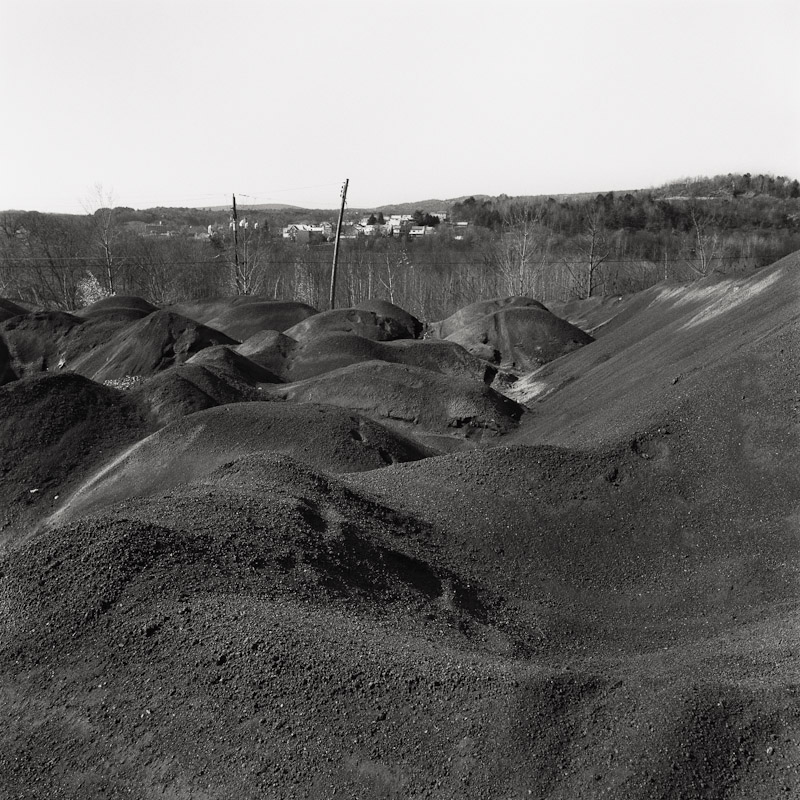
x=336, y=243
x=235, y=244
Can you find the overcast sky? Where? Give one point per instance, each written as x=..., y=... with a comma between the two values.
x=183, y=103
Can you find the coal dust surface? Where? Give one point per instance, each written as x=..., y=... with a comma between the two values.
x=252, y=550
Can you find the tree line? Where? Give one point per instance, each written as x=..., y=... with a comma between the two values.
x=553, y=249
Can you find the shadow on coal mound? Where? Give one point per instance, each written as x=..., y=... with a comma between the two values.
x=328, y=438
x=417, y=400
x=295, y=361
x=262, y=525
x=215, y=376
x=150, y=345
x=7, y=373
x=37, y=341
x=54, y=430
x=519, y=338
x=8, y=309
x=244, y=316
x=368, y=324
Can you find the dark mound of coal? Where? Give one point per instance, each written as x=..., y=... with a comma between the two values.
x=269, y=349
x=54, y=429
x=387, y=310
x=270, y=631
x=449, y=358
x=241, y=320
x=227, y=359
x=9, y=309
x=476, y=311
x=327, y=438
x=332, y=351
x=7, y=373
x=349, y=320
x=520, y=339
x=213, y=377
x=187, y=388
x=244, y=316
x=150, y=345
x=129, y=307
x=410, y=396
x=37, y=341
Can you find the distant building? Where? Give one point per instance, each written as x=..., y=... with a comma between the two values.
x=398, y=224
x=305, y=233
x=158, y=230
x=367, y=230
x=298, y=228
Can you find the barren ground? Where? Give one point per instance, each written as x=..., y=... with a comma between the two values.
x=348, y=567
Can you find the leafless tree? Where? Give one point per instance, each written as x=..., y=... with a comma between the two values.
x=593, y=250
x=706, y=241
x=521, y=252
x=100, y=206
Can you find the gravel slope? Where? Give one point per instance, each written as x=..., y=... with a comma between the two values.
x=597, y=602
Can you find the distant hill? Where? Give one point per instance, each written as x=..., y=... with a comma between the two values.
x=256, y=207
x=429, y=206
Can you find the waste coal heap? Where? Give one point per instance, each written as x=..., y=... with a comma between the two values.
x=259, y=551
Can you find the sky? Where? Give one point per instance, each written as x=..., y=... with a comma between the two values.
x=186, y=102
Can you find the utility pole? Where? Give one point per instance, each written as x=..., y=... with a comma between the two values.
x=235, y=244
x=336, y=243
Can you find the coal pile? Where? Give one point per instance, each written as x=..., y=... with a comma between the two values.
x=153, y=344
x=359, y=571
x=368, y=324
x=411, y=398
x=515, y=333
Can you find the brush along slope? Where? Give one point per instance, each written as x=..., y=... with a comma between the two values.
x=243, y=316
x=414, y=398
x=147, y=346
x=327, y=437
x=296, y=361
x=54, y=430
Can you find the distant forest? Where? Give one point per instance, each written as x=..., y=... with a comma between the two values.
x=551, y=248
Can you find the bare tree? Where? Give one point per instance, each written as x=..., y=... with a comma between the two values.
x=250, y=267
x=100, y=205
x=41, y=253
x=594, y=251
x=706, y=241
x=521, y=252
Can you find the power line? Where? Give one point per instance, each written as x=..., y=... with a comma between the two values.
x=132, y=262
